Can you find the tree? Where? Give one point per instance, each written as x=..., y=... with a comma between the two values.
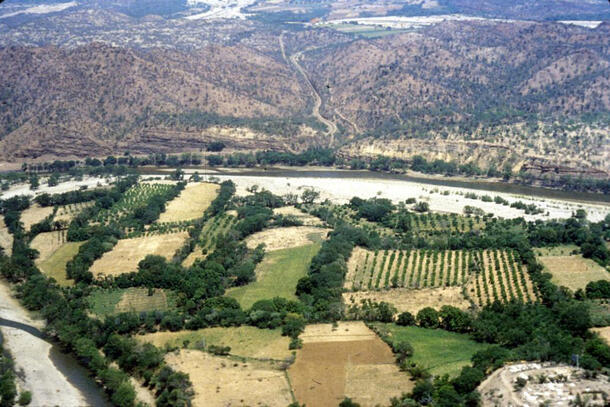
x=468, y=380
x=347, y=402
x=124, y=396
x=421, y=207
x=428, y=318
x=402, y=350
x=455, y=320
x=309, y=196
x=405, y=319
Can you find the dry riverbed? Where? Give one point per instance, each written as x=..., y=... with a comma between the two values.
x=35, y=369
x=440, y=198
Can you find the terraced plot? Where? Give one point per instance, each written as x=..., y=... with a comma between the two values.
x=573, y=271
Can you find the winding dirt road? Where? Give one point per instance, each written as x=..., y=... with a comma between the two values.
x=294, y=60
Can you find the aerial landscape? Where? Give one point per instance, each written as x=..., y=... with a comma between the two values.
x=305, y=203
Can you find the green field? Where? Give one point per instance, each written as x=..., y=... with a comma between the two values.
x=440, y=351
x=277, y=275
x=55, y=266
x=246, y=341
x=108, y=302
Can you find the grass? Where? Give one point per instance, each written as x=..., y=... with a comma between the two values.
x=55, y=265
x=108, y=302
x=246, y=341
x=440, y=351
x=560, y=250
x=277, y=275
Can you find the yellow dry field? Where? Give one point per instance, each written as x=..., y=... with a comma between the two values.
x=348, y=360
x=47, y=243
x=191, y=203
x=127, y=253
x=573, y=272
x=55, y=265
x=34, y=214
x=6, y=239
x=222, y=382
x=307, y=219
x=245, y=341
x=138, y=300
x=405, y=299
x=604, y=333
x=286, y=238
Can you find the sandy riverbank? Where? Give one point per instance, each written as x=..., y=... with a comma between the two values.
x=36, y=371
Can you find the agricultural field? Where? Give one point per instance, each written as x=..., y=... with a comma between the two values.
x=35, y=214
x=406, y=299
x=286, y=237
x=346, y=360
x=573, y=271
x=6, y=239
x=54, y=253
x=308, y=220
x=127, y=253
x=213, y=228
x=66, y=213
x=500, y=277
x=220, y=382
x=277, y=275
x=191, y=203
x=436, y=222
x=443, y=352
x=489, y=275
x=560, y=250
x=47, y=243
x=244, y=341
x=135, y=197
x=109, y=302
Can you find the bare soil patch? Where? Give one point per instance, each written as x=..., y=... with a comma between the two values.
x=574, y=271
x=348, y=360
x=285, y=238
x=6, y=239
x=405, y=299
x=127, y=253
x=499, y=388
x=191, y=203
x=222, y=382
x=34, y=214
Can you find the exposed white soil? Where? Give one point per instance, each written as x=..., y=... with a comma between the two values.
x=557, y=385
x=36, y=371
x=341, y=190
x=24, y=189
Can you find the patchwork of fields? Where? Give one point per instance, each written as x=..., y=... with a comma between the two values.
x=54, y=253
